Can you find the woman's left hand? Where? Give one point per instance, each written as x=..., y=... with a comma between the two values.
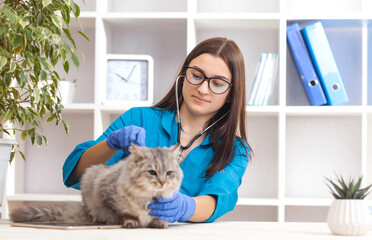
x=179, y=207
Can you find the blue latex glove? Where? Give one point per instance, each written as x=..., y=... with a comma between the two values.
x=179, y=207
x=123, y=138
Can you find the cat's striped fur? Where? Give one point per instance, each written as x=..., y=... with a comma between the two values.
x=117, y=194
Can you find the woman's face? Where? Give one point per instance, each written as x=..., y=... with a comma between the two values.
x=198, y=99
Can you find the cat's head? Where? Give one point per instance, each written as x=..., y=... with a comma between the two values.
x=155, y=171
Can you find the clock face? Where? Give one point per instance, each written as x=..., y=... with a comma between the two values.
x=127, y=80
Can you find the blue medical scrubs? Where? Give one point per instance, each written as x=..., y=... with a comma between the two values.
x=161, y=130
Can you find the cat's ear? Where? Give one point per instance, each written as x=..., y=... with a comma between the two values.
x=136, y=150
x=176, y=151
x=175, y=147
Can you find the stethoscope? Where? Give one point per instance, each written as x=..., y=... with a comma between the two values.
x=178, y=120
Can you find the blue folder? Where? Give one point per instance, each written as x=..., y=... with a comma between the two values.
x=305, y=68
x=325, y=64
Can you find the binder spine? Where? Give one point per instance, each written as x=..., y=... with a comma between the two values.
x=325, y=64
x=305, y=68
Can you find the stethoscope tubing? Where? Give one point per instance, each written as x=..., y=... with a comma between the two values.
x=182, y=148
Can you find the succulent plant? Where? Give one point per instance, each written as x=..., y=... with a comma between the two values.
x=340, y=189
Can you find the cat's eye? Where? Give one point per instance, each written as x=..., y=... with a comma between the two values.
x=152, y=172
x=169, y=173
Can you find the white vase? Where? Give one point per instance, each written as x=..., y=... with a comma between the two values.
x=349, y=217
x=67, y=91
x=5, y=148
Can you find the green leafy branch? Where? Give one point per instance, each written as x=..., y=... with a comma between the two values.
x=33, y=39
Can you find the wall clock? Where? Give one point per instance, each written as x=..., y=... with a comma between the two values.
x=129, y=79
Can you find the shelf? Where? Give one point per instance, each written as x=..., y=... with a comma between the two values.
x=79, y=108
x=164, y=6
x=238, y=6
x=258, y=202
x=308, y=202
x=119, y=17
x=295, y=145
x=326, y=7
x=324, y=110
x=262, y=110
x=258, y=20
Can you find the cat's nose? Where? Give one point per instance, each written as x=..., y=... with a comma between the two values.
x=162, y=182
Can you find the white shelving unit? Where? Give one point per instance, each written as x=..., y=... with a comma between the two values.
x=295, y=144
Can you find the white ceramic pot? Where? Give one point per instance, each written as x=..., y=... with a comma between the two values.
x=67, y=91
x=5, y=148
x=349, y=217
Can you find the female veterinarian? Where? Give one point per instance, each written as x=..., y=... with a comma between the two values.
x=205, y=112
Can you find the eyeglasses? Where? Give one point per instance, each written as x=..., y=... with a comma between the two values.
x=217, y=85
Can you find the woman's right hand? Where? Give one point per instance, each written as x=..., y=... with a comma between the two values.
x=123, y=138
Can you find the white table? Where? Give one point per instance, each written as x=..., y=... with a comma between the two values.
x=204, y=231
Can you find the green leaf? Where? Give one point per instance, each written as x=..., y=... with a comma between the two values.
x=42, y=111
x=56, y=38
x=36, y=94
x=43, y=75
x=45, y=140
x=57, y=21
x=16, y=41
x=39, y=140
x=67, y=127
x=66, y=66
x=8, y=79
x=43, y=62
x=22, y=155
x=3, y=29
x=7, y=115
x=63, y=55
x=75, y=60
x=56, y=75
x=51, y=117
x=12, y=66
x=45, y=3
x=23, y=79
x=12, y=155
x=24, y=22
x=66, y=16
x=24, y=136
x=75, y=9
x=46, y=33
x=3, y=62
x=29, y=58
x=11, y=16
x=85, y=36
x=68, y=34
x=32, y=137
x=40, y=19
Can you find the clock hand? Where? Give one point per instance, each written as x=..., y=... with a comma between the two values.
x=123, y=78
x=131, y=71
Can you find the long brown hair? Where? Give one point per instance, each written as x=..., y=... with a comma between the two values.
x=224, y=132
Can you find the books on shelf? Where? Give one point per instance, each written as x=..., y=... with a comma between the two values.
x=315, y=62
x=264, y=79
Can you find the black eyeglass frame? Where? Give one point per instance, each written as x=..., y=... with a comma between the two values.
x=209, y=80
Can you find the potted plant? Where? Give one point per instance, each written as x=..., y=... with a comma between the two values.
x=34, y=37
x=349, y=213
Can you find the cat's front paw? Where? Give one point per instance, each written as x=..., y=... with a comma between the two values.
x=156, y=223
x=131, y=223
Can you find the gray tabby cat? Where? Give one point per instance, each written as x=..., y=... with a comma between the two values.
x=117, y=194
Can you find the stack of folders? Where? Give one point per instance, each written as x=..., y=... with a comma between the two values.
x=264, y=79
x=316, y=65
